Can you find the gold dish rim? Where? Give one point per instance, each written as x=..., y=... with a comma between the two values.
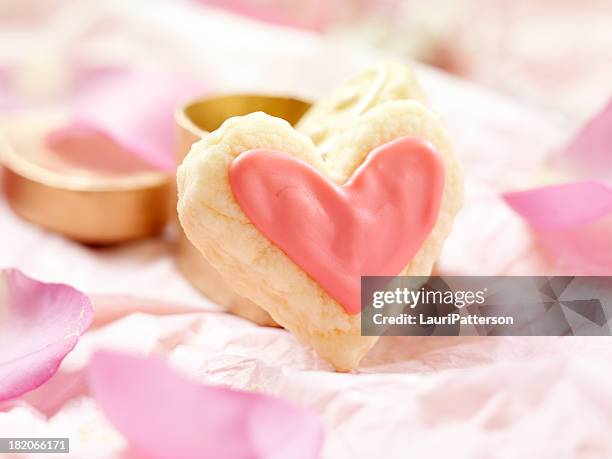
x=23, y=167
x=184, y=121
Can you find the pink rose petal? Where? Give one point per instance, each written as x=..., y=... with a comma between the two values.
x=163, y=415
x=39, y=325
x=565, y=206
x=589, y=154
x=133, y=108
x=573, y=221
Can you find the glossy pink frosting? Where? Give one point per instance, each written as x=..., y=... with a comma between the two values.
x=372, y=225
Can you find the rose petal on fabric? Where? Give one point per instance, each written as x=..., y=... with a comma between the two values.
x=564, y=206
x=572, y=222
x=590, y=152
x=162, y=414
x=40, y=324
x=133, y=108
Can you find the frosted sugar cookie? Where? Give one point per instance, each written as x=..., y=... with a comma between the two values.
x=293, y=232
x=387, y=81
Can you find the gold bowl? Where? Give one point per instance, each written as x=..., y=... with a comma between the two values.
x=92, y=192
x=195, y=120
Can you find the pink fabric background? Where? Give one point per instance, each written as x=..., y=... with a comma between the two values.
x=413, y=397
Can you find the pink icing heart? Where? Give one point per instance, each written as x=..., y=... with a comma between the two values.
x=371, y=226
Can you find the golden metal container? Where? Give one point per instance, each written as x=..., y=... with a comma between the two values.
x=93, y=205
x=195, y=120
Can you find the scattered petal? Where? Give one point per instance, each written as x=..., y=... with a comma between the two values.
x=162, y=414
x=589, y=154
x=565, y=206
x=39, y=325
x=573, y=221
x=133, y=108
x=573, y=224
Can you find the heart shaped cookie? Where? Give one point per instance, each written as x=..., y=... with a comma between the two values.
x=374, y=224
x=293, y=232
